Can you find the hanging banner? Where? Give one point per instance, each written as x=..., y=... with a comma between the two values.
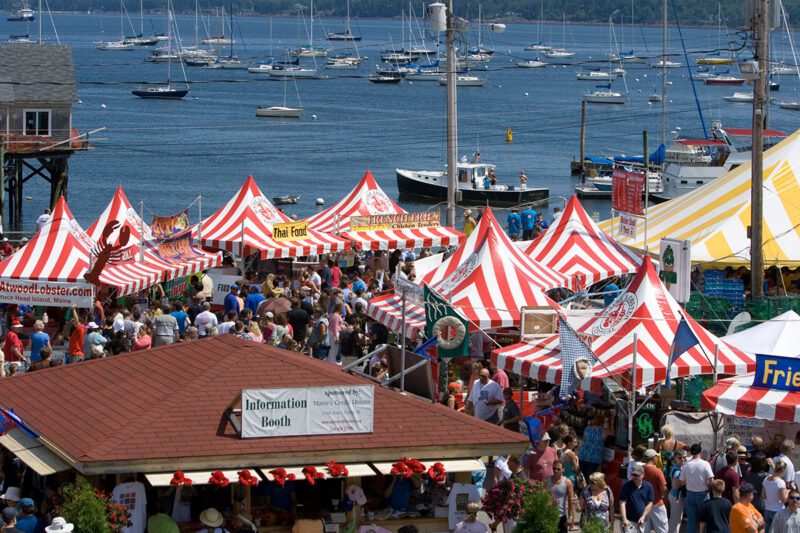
x=48, y=293
x=627, y=225
x=676, y=267
x=396, y=221
x=446, y=324
x=176, y=287
x=291, y=231
x=308, y=411
x=164, y=227
x=414, y=293
x=177, y=249
x=626, y=191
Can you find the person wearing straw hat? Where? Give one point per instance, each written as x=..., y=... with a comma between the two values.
x=470, y=524
x=469, y=222
x=59, y=525
x=213, y=520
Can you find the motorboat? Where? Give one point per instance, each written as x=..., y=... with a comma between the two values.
x=391, y=77
x=288, y=72
x=605, y=96
x=559, y=53
x=669, y=64
x=114, y=46
x=264, y=67
x=537, y=47
x=655, y=98
x=595, y=75
x=431, y=185
x=691, y=163
x=604, y=183
x=465, y=81
x=532, y=63
x=165, y=92
x=287, y=199
x=723, y=80
x=23, y=38
x=279, y=111
x=794, y=106
x=745, y=98
x=23, y=14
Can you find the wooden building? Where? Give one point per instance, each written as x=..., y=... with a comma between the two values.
x=37, y=91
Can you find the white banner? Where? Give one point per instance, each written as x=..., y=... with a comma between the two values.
x=50, y=293
x=627, y=225
x=307, y=411
x=222, y=285
x=675, y=258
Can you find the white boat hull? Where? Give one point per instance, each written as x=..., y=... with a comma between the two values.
x=531, y=64
x=794, y=106
x=605, y=98
x=465, y=81
x=595, y=76
x=300, y=73
x=279, y=112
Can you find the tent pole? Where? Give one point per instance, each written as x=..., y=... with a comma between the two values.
x=141, y=231
x=403, y=341
x=715, y=415
x=646, y=160
x=241, y=250
x=199, y=218
x=632, y=397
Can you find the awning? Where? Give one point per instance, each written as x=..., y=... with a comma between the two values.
x=388, y=310
x=450, y=465
x=409, y=238
x=747, y=132
x=198, y=478
x=701, y=142
x=33, y=453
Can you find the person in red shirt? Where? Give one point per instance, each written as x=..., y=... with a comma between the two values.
x=12, y=350
x=5, y=247
x=730, y=477
x=539, y=462
x=657, y=517
x=76, y=339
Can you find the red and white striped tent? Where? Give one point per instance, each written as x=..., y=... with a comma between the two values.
x=648, y=310
x=244, y=225
x=60, y=252
x=737, y=396
x=119, y=209
x=387, y=309
x=537, y=359
x=488, y=279
x=575, y=246
x=366, y=199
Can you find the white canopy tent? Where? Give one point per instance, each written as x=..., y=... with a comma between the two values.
x=777, y=336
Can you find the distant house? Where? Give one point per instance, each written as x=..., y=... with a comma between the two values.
x=37, y=90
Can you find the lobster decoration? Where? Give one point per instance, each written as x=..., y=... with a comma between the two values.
x=105, y=251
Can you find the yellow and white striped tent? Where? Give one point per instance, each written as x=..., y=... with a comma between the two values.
x=715, y=217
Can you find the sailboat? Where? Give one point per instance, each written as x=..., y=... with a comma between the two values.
x=165, y=90
x=120, y=45
x=230, y=62
x=220, y=39
x=282, y=111
x=560, y=53
x=346, y=35
x=603, y=94
x=600, y=75
x=310, y=50
x=715, y=58
x=140, y=39
x=539, y=45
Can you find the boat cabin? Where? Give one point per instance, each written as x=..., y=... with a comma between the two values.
x=37, y=90
x=471, y=175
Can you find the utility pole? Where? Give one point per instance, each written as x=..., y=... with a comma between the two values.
x=663, y=74
x=452, y=121
x=760, y=37
x=583, y=138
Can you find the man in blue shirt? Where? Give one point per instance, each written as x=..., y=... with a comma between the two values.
x=181, y=316
x=514, y=225
x=254, y=299
x=39, y=339
x=359, y=284
x=231, y=302
x=528, y=222
x=27, y=521
x=636, y=499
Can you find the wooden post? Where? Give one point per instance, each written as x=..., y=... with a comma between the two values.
x=2, y=183
x=18, y=193
x=761, y=36
x=583, y=136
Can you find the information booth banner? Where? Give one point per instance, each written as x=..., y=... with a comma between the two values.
x=626, y=191
x=47, y=293
x=307, y=411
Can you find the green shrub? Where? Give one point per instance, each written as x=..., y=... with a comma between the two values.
x=84, y=508
x=540, y=513
x=594, y=525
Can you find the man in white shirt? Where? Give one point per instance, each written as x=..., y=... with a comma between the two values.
x=787, y=452
x=43, y=219
x=697, y=475
x=205, y=320
x=485, y=398
x=230, y=320
x=315, y=278
x=208, y=286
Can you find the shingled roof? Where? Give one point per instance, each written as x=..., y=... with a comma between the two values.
x=30, y=73
x=163, y=409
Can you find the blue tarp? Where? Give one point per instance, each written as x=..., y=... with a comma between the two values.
x=599, y=160
x=657, y=157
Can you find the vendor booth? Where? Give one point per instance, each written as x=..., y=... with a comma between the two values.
x=50, y=269
x=246, y=225
x=372, y=221
x=306, y=433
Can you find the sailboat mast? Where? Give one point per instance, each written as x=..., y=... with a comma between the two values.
x=664, y=45
x=347, y=21
x=311, y=36
x=231, y=57
x=169, y=43
x=121, y=21
x=196, y=26
x=141, y=18
x=452, y=119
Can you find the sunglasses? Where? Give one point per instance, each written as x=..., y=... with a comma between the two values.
x=795, y=498
x=634, y=474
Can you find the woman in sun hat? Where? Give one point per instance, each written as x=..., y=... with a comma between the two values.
x=213, y=520
x=59, y=525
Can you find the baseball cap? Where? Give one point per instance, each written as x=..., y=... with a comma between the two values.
x=546, y=436
x=696, y=448
x=92, y=325
x=9, y=514
x=206, y=305
x=650, y=453
x=637, y=470
x=269, y=314
x=234, y=287
x=746, y=488
x=26, y=502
